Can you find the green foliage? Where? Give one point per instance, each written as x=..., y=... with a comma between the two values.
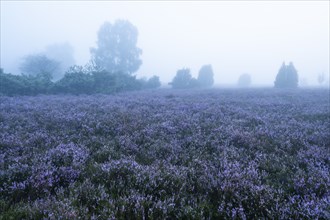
x=126, y=82
x=182, y=79
x=41, y=83
x=151, y=83
x=194, y=83
x=64, y=54
x=287, y=77
x=25, y=85
x=106, y=82
x=12, y=84
x=37, y=64
x=116, y=49
x=110, y=70
x=205, y=76
x=75, y=81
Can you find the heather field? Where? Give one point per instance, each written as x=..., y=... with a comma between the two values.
x=166, y=154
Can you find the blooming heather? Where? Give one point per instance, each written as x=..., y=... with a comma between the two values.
x=199, y=154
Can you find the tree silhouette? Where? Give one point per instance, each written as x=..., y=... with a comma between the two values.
x=244, y=80
x=116, y=49
x=182, y=79
x=287, y=77
x=39, y=64
x=205, y=76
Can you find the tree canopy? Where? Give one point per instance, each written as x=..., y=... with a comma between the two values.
x=244, y=80
x=321, y=78
x=205, y=76
x=182, y=79
x=287, y=77
x=64, y=54
x=39, y=64
x=116, y=49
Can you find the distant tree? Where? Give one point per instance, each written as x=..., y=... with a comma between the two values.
x=75, y=81
x=104, y=82
x=125, y=82
x=152, y=83
x=205, y=76
x=244, y=80
x=12, y=84
x=182, y=79
x=25, y=84
x=194, y=83
x=287, y=77
x=321, y=78
x=64, y=54
x=116, y=49
x=39, y=64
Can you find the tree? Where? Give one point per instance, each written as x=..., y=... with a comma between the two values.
x=104, y=82
x=39, y=64
x=205, y=76
x=12, y=84
x=244, y=80
x=24, y=84
x=287, y=77
x=116, y=49
x=321, y=78
x=153, y=83
x=182, y=79
x=63, y=53
x=75, y=81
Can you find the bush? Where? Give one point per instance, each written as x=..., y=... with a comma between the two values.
x=75, y=81
x=205, y=76
x=287, y=77
x=41, y=83
x=153, y=83
x=125, y=82
x=78, y=80
x=25, y=85
x=244, y=80
x=182, y=79
x=12, y=84
x=37, y=64
x=106, y=82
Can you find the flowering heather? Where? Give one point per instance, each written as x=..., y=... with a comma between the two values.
x=200, y=154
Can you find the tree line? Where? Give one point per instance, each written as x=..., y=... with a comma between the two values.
x=111, y=69
x=75, y=81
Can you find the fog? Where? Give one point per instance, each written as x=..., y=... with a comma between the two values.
x=237, y=37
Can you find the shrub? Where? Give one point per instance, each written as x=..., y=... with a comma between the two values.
x=153, y=83
x=287, y=77
x=205, y=76
x=244, y=80
x=25, y=85
x=75, y=81
x=182, y=79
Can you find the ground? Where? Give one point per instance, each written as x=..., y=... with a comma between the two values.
x=176, y=154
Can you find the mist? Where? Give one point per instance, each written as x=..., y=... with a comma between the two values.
x=164, y=110
x=234, y=37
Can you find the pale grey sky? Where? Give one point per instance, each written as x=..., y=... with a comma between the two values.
x=234, y=36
